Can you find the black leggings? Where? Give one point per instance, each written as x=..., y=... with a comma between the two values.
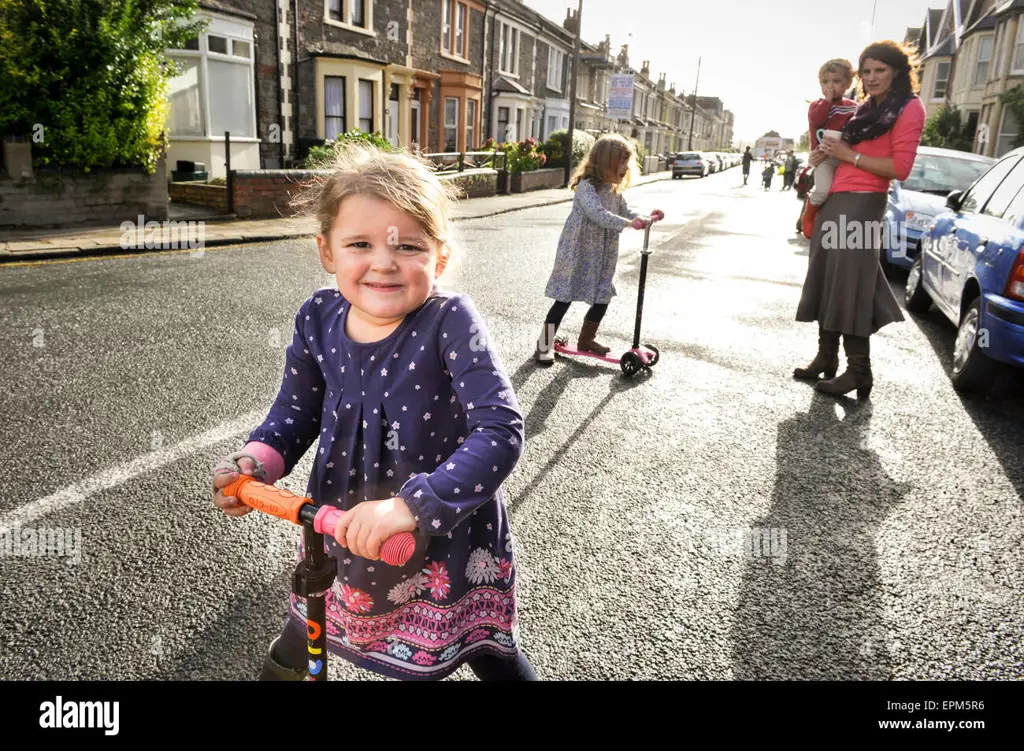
x=291, y=651
x=559, y=309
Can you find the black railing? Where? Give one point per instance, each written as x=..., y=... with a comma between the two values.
x=459, y=161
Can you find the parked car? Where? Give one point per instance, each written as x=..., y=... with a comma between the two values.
x=690, y=163
x=914, y=202
x=712, y=162
x=971, y=266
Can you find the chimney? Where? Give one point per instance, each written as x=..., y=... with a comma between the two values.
x=645, y=70
x=661, y=82
x=570, y=23
x=607, y=45
x=623, y=58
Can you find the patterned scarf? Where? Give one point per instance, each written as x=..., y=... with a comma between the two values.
x=871, y=121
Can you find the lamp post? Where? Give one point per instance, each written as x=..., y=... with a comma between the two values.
x=572, y=88
x=693, y=107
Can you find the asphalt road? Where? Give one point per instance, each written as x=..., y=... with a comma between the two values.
x=888, y=535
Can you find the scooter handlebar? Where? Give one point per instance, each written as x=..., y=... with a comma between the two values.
x=396, y=550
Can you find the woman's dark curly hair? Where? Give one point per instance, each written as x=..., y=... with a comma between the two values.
x=902, y=58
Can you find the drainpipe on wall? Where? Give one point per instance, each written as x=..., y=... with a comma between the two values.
x=280, y=75
x=295, y=77
x=256, y=85
x=488, y=56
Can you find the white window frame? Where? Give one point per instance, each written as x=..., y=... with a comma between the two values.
x=360, y=103
x=344, y=111
x=556, y=60
x=471, y=123
x=448, y=40
x=945, y=81
x=1018, y=48
x=980, y=80
x=513, y=34
x=346, y=22
x=997, y=51
x=1002, y=134
x=232, y=30
x=445, y=126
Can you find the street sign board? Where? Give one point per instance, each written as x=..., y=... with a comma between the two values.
x=620, y=96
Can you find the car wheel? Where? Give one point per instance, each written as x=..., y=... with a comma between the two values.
x=916, y=296
x=973, y=370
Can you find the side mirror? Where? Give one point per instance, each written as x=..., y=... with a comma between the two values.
x=953, y=200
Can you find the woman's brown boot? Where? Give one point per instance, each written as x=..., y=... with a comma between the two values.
x=826, y=361
x=586, y=341
x=858, y=370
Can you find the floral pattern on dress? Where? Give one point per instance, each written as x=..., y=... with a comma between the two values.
x=356, y=600
x=481, y=568
x=438, y=580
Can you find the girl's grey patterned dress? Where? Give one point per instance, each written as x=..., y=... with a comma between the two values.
x=589, y=246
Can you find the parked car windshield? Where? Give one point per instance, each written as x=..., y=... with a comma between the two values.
x=941, y=174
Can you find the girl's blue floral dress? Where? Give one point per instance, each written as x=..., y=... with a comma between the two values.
x=429, y=414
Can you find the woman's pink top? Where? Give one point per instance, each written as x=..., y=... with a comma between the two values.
x=900, y=143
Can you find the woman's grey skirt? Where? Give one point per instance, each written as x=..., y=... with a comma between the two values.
x=845, y=289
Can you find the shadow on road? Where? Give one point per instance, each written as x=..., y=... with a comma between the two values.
x=546, y=400
x=232, y=647
x=810, y=607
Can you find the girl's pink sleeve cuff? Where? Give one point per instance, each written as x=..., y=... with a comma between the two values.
x=273, y=462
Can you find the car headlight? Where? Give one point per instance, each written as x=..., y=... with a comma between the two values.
x=918, y=221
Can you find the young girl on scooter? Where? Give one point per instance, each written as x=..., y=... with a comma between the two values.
x=418, y=427
x=588, y=249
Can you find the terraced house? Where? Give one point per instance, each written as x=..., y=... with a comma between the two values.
x=528, y=61
x=430, y=75
x=972, y=52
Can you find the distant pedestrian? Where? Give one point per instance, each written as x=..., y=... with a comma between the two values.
x=588, y=249
x=747, y=159
x=767, y=174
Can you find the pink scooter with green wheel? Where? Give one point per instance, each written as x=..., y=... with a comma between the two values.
x=639, y=358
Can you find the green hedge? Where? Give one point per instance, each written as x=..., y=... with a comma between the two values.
x=86, y=80
x=319, y=154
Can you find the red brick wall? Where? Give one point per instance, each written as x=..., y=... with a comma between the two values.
x=267, y=193
x=214, y=196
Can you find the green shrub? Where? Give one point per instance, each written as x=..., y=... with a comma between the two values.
x=945, y=130
x=319, y=154
x=88, y=79
x=582, y=143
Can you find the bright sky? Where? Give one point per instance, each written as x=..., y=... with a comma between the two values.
x=760, y=57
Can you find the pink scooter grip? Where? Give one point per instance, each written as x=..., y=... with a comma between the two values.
x=396, y=550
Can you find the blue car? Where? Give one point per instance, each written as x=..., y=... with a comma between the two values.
x=914, y=202
x=971, y=266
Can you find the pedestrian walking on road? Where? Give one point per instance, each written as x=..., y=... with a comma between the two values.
x=767, y=175
x=846, y=291
x=747, y=159
x=588, y=248
x=418, y=427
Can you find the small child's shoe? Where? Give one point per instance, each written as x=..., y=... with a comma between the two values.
x=810, y=212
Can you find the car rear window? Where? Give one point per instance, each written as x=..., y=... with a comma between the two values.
x=689, y=156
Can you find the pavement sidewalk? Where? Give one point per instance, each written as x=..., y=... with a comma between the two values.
x=34, y=244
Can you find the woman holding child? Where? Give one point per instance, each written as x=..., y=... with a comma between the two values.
x=845, y=290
